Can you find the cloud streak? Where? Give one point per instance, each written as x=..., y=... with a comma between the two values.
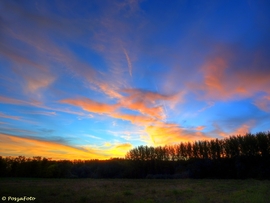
x=2, y=115
x=13, y=145
x=129, y=62
x=90, y=105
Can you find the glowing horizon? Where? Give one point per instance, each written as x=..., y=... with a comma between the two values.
x=92, y=80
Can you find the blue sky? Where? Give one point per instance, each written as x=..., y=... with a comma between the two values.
x=93, y=79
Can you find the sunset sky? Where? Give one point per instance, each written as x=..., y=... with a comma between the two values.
x=94, y=79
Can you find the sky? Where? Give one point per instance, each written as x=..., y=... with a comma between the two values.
x=94, y=79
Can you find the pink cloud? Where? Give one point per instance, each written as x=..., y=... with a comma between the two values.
x=225, y=78
x=91, y=106
x=263, y=103
x=36, y=82
x=200, y=128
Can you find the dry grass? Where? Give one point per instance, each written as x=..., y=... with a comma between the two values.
x=137, y=191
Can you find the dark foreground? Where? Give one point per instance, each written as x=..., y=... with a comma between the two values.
x=118, y=190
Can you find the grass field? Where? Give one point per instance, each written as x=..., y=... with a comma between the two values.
x=135, y=191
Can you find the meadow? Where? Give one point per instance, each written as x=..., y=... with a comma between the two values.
x=135, y=190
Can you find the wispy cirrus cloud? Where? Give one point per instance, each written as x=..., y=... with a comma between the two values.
x=9, y=100
x=91, y=106
x=134, y=119
x=45, y=113
x=128, y=61
x=3, y=115
x=209, y=105
x=47, y=53
x=92, y=136
x=17, y=118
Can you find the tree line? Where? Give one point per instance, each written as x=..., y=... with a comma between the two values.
x=233, y=157
x=234, y=146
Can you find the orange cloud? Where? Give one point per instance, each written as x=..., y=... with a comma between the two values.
x=242, y=130
x=149, y=114
x=147, y=102
x=200, y=128
x=108, y=90
x=120, y=150
x=14, y=146
x=155, y=112
x=151, y=118
x=168, y=134
x=117, y=150
x=125, y=146
x=91, y=106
